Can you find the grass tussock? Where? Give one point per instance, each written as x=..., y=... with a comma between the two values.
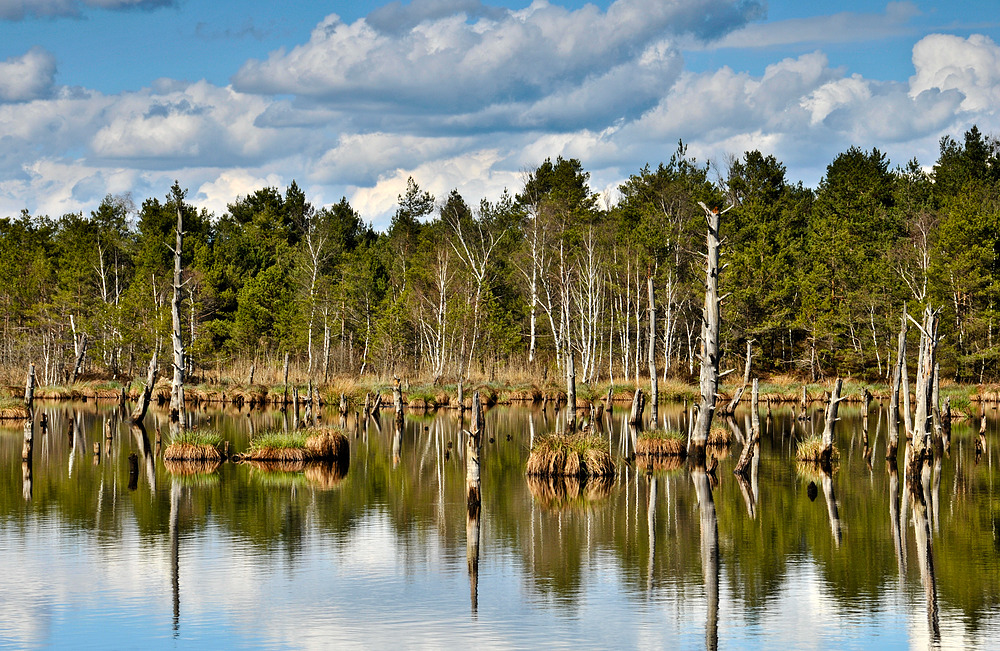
x=558, y=493
x=661, y=443
x=720, y=435
x=195, y=445
x=12, y=409
x=577, y=455
x=811, y=449
x=300, y=446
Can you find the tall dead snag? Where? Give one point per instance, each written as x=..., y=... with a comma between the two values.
x=177, y=385
x=139, y=412
x=654, y=392
x=897, y=377
x=29, y=388
x=474, y=441
x=924, y=389
x=571, y=397
x=709, y=379
x=831, y=419
x=397, y=400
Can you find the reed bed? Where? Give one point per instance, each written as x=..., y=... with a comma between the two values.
x=577, y=455
x=195, y=445
x=661, y=443
x=558, y=493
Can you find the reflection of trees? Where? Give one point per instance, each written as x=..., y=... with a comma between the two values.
x=925, y=554
x=709, y=552
x=652, y=535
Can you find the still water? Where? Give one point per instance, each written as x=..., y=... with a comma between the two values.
x=385, y=555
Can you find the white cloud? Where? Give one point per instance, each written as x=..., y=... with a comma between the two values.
x=27, y=77
x=217, y=194
x=970, y=66
x=447, y=64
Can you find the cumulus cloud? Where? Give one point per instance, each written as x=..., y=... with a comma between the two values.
x=495, y=64
x=27, y=77
x=21, y=9
x=968, y=65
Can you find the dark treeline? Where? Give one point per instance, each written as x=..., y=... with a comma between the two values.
x=817, y=279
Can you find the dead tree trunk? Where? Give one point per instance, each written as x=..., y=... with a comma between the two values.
x=654, y=392
x=924, y=389
x=897, y=377
x=78, y=366
x=474, y=442
x=177, y=385
x=638, y=404
x=731, y=407
x=284, y=397
x=29, y=388
x=139, y=412
x=709, y=379
x=397, y=400
x=831, y=419
x=753, y=437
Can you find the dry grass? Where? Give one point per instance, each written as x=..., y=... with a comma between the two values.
x=195, y=445
x=661, y=443
x=12, y=409
x=719, y=435
x=811, y=450
x=299, y=447
x=558, y=493
x=576, y=455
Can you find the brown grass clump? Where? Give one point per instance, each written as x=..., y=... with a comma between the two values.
x=660, y=443
x=13, y=409
x=811, y=449
x=326, y=444
x=577, y=455
x=192, y=466
x=720, y=436
x=299, y=447
x=558, y=493
x=191, y=452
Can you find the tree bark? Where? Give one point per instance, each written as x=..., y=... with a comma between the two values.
x=831, y=419
x=139, y=412
x=177, y=386
x=709, y=378
x=654, y=392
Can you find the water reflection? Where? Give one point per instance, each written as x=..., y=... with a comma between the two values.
x=613, y=562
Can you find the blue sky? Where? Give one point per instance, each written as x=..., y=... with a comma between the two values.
x=351, y=98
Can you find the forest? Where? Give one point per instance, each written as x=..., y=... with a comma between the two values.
x=457, y=287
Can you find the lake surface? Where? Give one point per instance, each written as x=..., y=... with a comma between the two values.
x=385, y=555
